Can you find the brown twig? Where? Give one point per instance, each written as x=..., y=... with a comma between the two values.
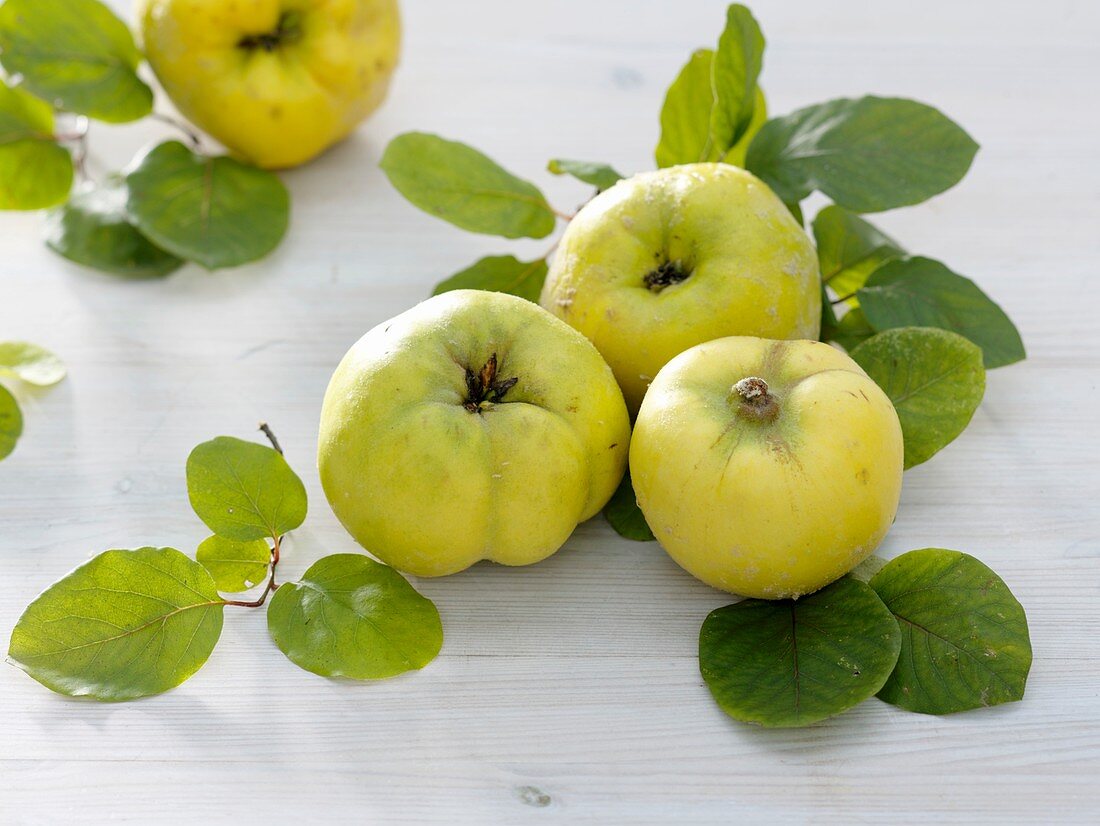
x=266, y=429
x=269, y=588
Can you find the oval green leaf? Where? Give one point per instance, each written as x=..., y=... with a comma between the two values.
x=686, y=112
x=126, y=624
x=353, y=617
x=11, y=422
x=935, y=380
x=76, y=54
x=501, y=274
x=244, y=491
x=35, y=172
x=624, y=515
x=455, y=182
x=217, y=212
x=235, y=566
x=921, y=292
x=788, y=663
x=964, y=636
x=849, y=249
x=734, y=72
x=93, y=229
x=868, y=154
x=30, y=363
x=599, y=175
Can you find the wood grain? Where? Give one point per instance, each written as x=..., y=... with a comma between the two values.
x=569, y=691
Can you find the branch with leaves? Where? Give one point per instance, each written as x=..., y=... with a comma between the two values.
x=176, y=202
x=131, y=623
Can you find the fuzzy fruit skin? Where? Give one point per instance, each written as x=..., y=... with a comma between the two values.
x=429, y=486
x=767, y=509
x=282, y=107
x=753, y=270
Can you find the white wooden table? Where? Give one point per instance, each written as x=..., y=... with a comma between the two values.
x=568, y=691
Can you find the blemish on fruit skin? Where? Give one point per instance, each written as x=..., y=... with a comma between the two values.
x=863, y=476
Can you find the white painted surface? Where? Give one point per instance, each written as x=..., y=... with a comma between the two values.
x=569, y=692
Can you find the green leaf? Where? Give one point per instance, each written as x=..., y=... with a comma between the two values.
x=935, y=380
x=30, y=363
x=126, y=624
x=217, y=212
x=849, y=249
x=921, y=292
x=686, y=113
x=852, y=329
x=244, y=491
x=94, y=229
x=457, y=183
x=353, y=617
x=235, y=566
x=11, y=422
x=600, y=175
x=867, y=154
x=624, y=515
x=734, y=72
x=964, y=637
x=790, y=663
x=501, y=274
x=75, y=54
x=35, y=172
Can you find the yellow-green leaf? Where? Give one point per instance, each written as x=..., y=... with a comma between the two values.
x=11, y=422
x=235, y=566
x=30, y=363
x=126, y=624
x=350, y=616
x=75, y=54
x=455, y=182
x=35, y=172
x=244, y=491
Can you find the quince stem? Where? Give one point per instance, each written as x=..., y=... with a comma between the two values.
x=754, y=401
